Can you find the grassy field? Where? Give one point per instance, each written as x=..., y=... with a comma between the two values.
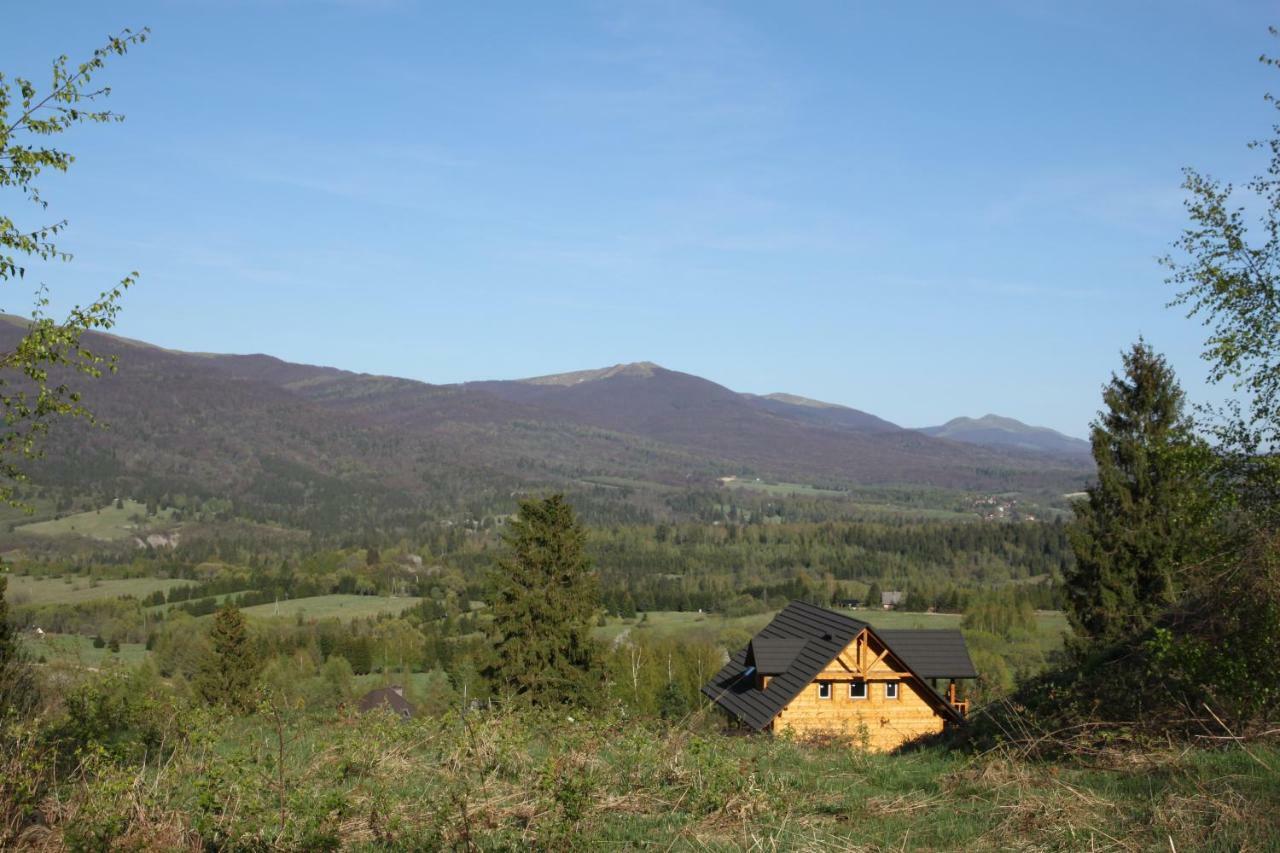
x=217, y=599
x=936, y=505
x=671, y=624
x=108, y=523
x=590, y=782
x=626, y=483
x=75, y=649
x=666, y=624
x=784, y=489
x=333, y=606
x=73, y=589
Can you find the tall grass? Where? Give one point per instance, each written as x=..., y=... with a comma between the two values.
x=561, y=781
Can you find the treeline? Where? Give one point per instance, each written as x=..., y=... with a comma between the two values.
x=705, y=567
x=731, y=569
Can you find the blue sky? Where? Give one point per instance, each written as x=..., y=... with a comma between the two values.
x=921, y=210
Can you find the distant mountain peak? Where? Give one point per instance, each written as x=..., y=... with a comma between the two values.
x=1000, y=431
x=635, y=368
x=997, y=421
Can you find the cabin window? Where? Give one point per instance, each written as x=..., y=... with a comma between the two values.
x=891, y=690
x=824, y=689
x=857, y=690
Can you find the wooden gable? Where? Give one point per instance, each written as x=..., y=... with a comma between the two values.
x=877, y=721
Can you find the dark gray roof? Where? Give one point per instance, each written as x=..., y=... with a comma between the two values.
x=825, y=635
x=386, y=697
x=821, y=635
x=773, y=655
x=932, y=653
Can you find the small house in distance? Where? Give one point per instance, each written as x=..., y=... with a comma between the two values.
x=813, y=671
x=386, y=698
x=890, y=599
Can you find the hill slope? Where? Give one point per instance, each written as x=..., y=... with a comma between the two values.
x=320, y=447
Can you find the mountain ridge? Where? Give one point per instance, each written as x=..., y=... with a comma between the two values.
x=325, y=447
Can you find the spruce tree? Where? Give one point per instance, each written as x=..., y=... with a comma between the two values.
x=544, y=600
x=1141, y=518
x=226, y=676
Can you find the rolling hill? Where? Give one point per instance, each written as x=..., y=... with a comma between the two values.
x=322, y=448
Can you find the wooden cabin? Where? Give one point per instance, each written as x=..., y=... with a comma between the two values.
x=814, y=671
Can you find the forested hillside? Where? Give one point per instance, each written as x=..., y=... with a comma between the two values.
x=326, y=450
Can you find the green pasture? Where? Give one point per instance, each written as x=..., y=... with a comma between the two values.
x=345, y=607
x=74, y=589
x=109, y=523
x=669, y=624
x=217, y=599
x=628, y=483
x=784, y=489
x=78, y=650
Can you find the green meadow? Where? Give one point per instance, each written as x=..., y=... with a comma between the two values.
x=345, y=607
x=79, y=650
x=75, y=589
x=108, y=523
x=1051, y=625
x=557, y=781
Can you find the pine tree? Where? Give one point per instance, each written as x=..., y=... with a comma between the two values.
x=544, y=601
x=17, y=682
x=1142, y=517
x=226, y=676
x=873, y=595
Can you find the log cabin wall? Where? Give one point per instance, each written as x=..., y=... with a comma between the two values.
x=876, y=722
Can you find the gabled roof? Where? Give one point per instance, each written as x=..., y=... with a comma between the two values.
x=818, y=635
x=385, y=697
x=773, y=655
x=825, y=635
x=932, y=653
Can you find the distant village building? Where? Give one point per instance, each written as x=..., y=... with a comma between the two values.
x=891, y=599
x=815, y=671
x=386, y=698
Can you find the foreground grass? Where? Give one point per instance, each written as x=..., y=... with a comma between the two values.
x=556, y=782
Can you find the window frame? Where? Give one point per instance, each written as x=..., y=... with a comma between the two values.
x=858, y=683
x=896, y=689
x=824, y=686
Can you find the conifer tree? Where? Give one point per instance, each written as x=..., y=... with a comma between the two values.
x=1140, y=520
x=544, y=599
x=226, y=676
